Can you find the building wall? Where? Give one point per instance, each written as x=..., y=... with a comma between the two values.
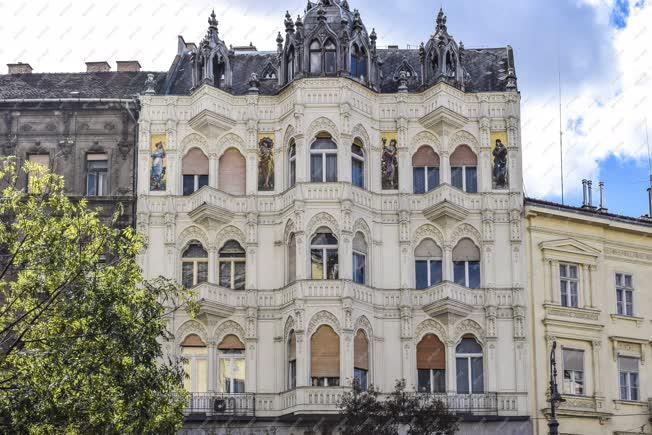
x=600, y=247
x=392, y=313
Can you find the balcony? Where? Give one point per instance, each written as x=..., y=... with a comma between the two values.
x=474, y=404
x=217, y=406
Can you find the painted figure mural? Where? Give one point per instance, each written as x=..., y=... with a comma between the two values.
x=499, y=153
x=389, y=161
x=265, y=162
x=158, y=164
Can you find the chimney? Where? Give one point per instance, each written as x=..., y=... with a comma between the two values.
x=19, y=68
x=584, y=195
x=128, y=66
x=392, y=47
x=589, y=183
x=94, y=67
x=601, y=208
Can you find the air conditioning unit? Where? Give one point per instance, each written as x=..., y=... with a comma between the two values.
x=219, y=405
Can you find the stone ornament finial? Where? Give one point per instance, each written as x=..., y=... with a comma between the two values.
x=212, y=21
x=150, y=85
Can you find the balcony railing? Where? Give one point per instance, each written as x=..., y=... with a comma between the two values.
x=222, y=404
x=476, y=404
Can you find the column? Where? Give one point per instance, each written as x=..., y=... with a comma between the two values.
x=213, y=167
x=485, y=182
x=212, y=366
x=554, y=282
x=251, y=172
x=451, y=378
x=447, y=263
x=591, y=280
x=491, y=365
x=303, y=360
x=303, y=159
x=344, y=158
x=346, y=359
x=212, y=264
x=597, y=384
x=547, y=285
x=584, y=282
x=444, y=167
x=345, y=254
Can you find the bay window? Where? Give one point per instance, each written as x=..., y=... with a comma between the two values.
x=464, y=172
x=466, y=264
x=323, y=160
x=194, y=170
x=427, y=264
x=231, y=365
x=425, y=170
x=232, y=266
x=325, y=357
x=324, y=255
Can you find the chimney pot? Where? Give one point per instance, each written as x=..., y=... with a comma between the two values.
x=19, y=68
x=584, y=195
x=94, y=67
x=589, y=188
x=128, y=66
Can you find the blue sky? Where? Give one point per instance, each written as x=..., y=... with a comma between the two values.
x=600, y=48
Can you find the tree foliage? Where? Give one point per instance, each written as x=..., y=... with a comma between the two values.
x=363, y=412
x=80, y=330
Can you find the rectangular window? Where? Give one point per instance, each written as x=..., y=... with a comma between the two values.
x=569, y=282
x=359, y=265
x=628, y=378
x=573, y=371
x=96, y=174
x=624, y=294
x=39, y=159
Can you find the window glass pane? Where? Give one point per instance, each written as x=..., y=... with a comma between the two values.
x=203, y=181
x=225, y=375
x=435, y=272
x=456, y=177
x=331, y=167
x=424, y=381
x=329, y=59
x=188, y=184
x=421, y=274
x=239, y=277
x=633, y=386
x=91, y=181
x=293, y=172
x=187, y=379
x=459, y=272
x=238, y=374
x=315, y=62
x=360, y=376
x=474, y=274
x=573, y=294
x=202, y=272
x=316, y=258
x=477, y=375
x=292, y=374
x=628, y=364
x=471, y=179
x=462, y=375
x=418, y=180
x=323, y=143
x=628, y=281
x=624, y=388
x=332, y=264
x=324, y=239
x=187, y=274
x=357, y=172
x=225, y=274
x=468, y=345
x=572, y=270
x=573, y=359
x=201, y=380
x=563, y=270
x=316, y=170
x=195, y=250
x=439, y=381
x=619, y=279
x=433, y=178
x=359, y=268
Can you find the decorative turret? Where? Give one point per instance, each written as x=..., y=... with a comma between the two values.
x=210, y=61
x=441, y=57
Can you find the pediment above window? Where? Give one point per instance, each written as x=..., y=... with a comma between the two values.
x=571, y=250
x=445, y=214
x=211, y=124
x=206, y=214
x=443, y=117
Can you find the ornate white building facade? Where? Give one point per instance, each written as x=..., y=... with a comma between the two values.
x=344, y=213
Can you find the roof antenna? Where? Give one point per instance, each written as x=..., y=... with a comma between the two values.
x=561, y=143
x=649, y=159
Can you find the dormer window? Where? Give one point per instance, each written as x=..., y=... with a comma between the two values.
x=315, y=57
x=323, y=59
x=358, y=62
x=218, y=73
x=330, y=58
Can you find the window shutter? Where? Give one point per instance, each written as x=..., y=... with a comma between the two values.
x=232, y=176
x=431, y=354
x=427, y=249
x=361, y=351
x=425, y=156
x=195, y=162
x=231, y=342
x=466, y=251
x=325, y=353
x=292, y=347
x=463, y=156
x=192, y=340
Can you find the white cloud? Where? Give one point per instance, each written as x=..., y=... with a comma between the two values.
x=600, y=119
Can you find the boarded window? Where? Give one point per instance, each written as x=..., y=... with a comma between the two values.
x=425, y=156
x=463, y=156
x=325, y=353
x=232, y=178
x=431, y=354
x=195, y=162
x=361, y=351
x=466, y=251
x=231, y=342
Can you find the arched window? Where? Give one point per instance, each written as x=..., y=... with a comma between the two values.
x=232, y=178
x=292, y=361
x=357, y=164
x=325, y=357
x=289, y=65
x=292, y=164
x=232, y=365
x=232, y=266
x=195, y=171
x=466, y=264
x=358, y=62
x=469, y=367
x=292, y=258
x=425, y=170
x=315, y=57
x=195, y=367
x=323, y=159
x=359, y=259
x=323, y=255
x=427, y=264
x=330, y=57
x=361, y=360
x=464, y=169
x=194, y=265
x=431, y=365
x=218, y=72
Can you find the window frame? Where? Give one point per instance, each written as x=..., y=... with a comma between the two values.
x=323, y=153
x=565, y=282
x=232, y=356
x=469, y=366
x=629, y=387
x=424, y=170
x=359, y=159
x=99, y=174
x=324, y=251
x=467, y=281
x=573, y=381
x=192, y=369
x=364, y=270
x=194, y=261
x=429, y=261
x=464, y=186
x=623, y=290
x=232, y=261
x=196, y=183
x=292, y=165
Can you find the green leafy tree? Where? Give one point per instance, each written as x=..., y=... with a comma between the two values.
x=363, y=413
x=80, y=330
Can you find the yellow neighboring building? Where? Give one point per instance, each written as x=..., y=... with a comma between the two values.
x=590, y=290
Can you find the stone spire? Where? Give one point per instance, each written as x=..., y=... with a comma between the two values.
x=212, y=22
x=289, y=25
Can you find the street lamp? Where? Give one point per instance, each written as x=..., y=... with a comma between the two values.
x=555, y=397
